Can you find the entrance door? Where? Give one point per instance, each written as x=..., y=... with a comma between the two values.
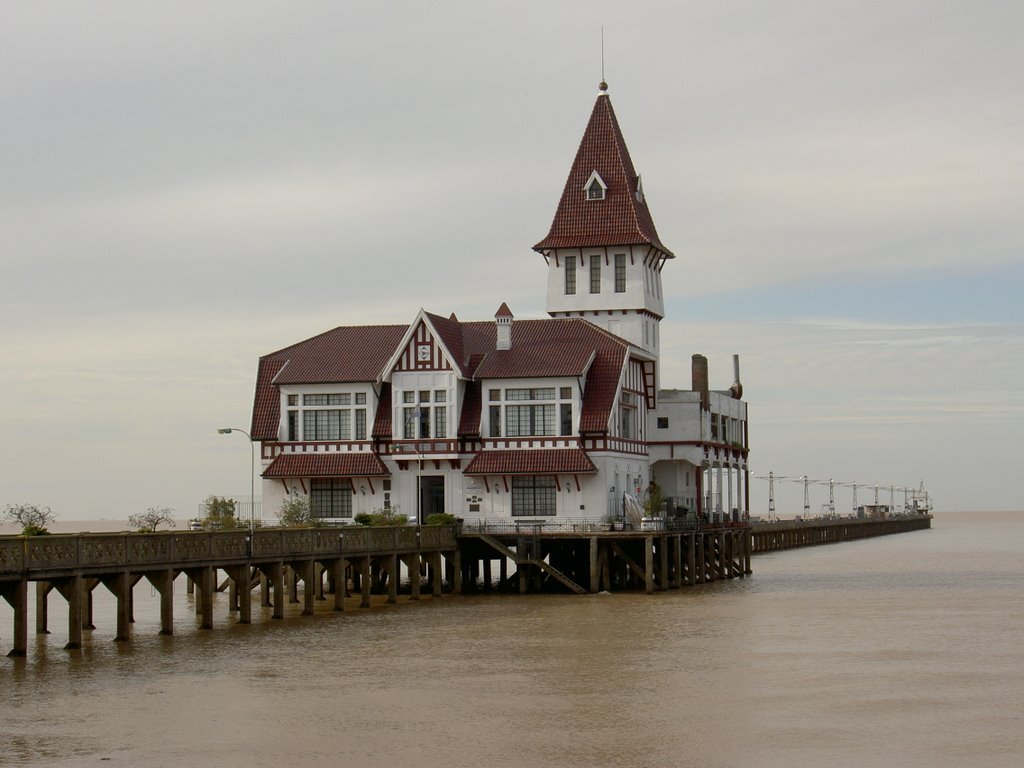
x=431, y=496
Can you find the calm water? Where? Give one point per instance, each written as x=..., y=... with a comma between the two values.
x=900, y=651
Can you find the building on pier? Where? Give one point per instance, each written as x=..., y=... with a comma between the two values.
x=562, y=418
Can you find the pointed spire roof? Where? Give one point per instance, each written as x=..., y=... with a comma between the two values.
x=622, y=216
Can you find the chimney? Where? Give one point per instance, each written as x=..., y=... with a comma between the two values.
x=503, y=322
x=736, y=390
x=699, y=368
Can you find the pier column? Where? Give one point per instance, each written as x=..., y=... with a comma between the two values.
x=88, y=585
x=436, y=557
x=120, y=587
x=663, y=549
x=276, y=579
x=207, y=585
x=678, y=581
x=649, y=564
x=337, y=571
x=392, y=579
x=71, y=588
x=42, y=590
x=309, y=574
x=264, y=590
x=412, y=562
x=241, y=588
x=319, y=579
x=364, y=582
x=457, y=572
x=16, y=594
x=163, y=583
x=595, y=573
x=691, y=558
x=293, y=584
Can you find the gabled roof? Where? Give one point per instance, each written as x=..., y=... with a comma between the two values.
x=552, y=347
x=622, y=217
x=349, y=353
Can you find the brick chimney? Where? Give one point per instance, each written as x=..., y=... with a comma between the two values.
x=699, y=367
x=503, y=321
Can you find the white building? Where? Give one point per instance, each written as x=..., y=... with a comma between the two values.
x=560, y=418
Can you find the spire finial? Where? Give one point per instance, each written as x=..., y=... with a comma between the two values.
x=603, y=87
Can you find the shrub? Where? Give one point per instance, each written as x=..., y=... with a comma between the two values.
x=32, y=518
x=294, y=512
x=442, y=518
x=382, y=517
x=151, y=519
x=219, y=514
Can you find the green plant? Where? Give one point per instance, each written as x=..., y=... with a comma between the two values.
x=442, y=518
x=382, y=517
x=654, y=500
x=32, y=518
x=294, y=512
x=151, y=519
x=219, y=514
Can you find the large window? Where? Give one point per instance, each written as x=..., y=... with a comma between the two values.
x=628, y=420
x=322, y=418
x=595, y=274
x=428, y=413
x=533, y=496
x=330, y=498
x=620, y=273
x=570, y=275
x=531, y=412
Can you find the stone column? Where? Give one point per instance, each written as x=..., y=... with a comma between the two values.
x=16, y=594
x=42, y=590
x=309, y=574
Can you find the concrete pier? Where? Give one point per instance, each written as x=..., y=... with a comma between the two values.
x=789, y=534
x=276, y=560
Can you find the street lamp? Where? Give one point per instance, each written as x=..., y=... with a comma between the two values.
x=252, y=469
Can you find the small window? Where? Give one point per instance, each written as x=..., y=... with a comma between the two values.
x=620, y=273
x=495, y=421
x=595, y=191
x=424, y=395
x=441, y=396
x=360, y=398
x=494, y=394
x=570, y=276
x=408, y=397
x=293, y=399
x=663, y=422
x=565, y=393
x=595, y=274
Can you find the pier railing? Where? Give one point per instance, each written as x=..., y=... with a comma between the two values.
x=590, y=525
x=91, y=551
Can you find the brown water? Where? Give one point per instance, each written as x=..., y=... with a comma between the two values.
x=899, y=651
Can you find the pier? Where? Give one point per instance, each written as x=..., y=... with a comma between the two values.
x=274, y=560
x=577, y=558
x=789, y=534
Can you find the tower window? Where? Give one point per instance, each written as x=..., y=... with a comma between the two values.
x=620, y=273
x=595, y=187
x=595, y=274
x=570, y=276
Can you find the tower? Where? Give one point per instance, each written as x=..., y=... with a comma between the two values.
x=603, y=253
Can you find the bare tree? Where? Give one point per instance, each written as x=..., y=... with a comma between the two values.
x=151, y=519
x=32, y=518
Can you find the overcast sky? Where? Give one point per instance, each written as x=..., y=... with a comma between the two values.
x=187, y=186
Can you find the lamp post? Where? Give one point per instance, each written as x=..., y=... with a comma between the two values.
x=252, y=469
x=419, y=467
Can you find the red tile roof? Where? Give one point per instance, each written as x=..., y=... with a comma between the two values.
x=618, y=219
x=266, y=407
x=382, y=421
x=550, y=347
x=349, y=353
x=333, y=464
x=469, y=421
x=555, y=461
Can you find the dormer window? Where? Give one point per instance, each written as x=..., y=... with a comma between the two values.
x=595, y=187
